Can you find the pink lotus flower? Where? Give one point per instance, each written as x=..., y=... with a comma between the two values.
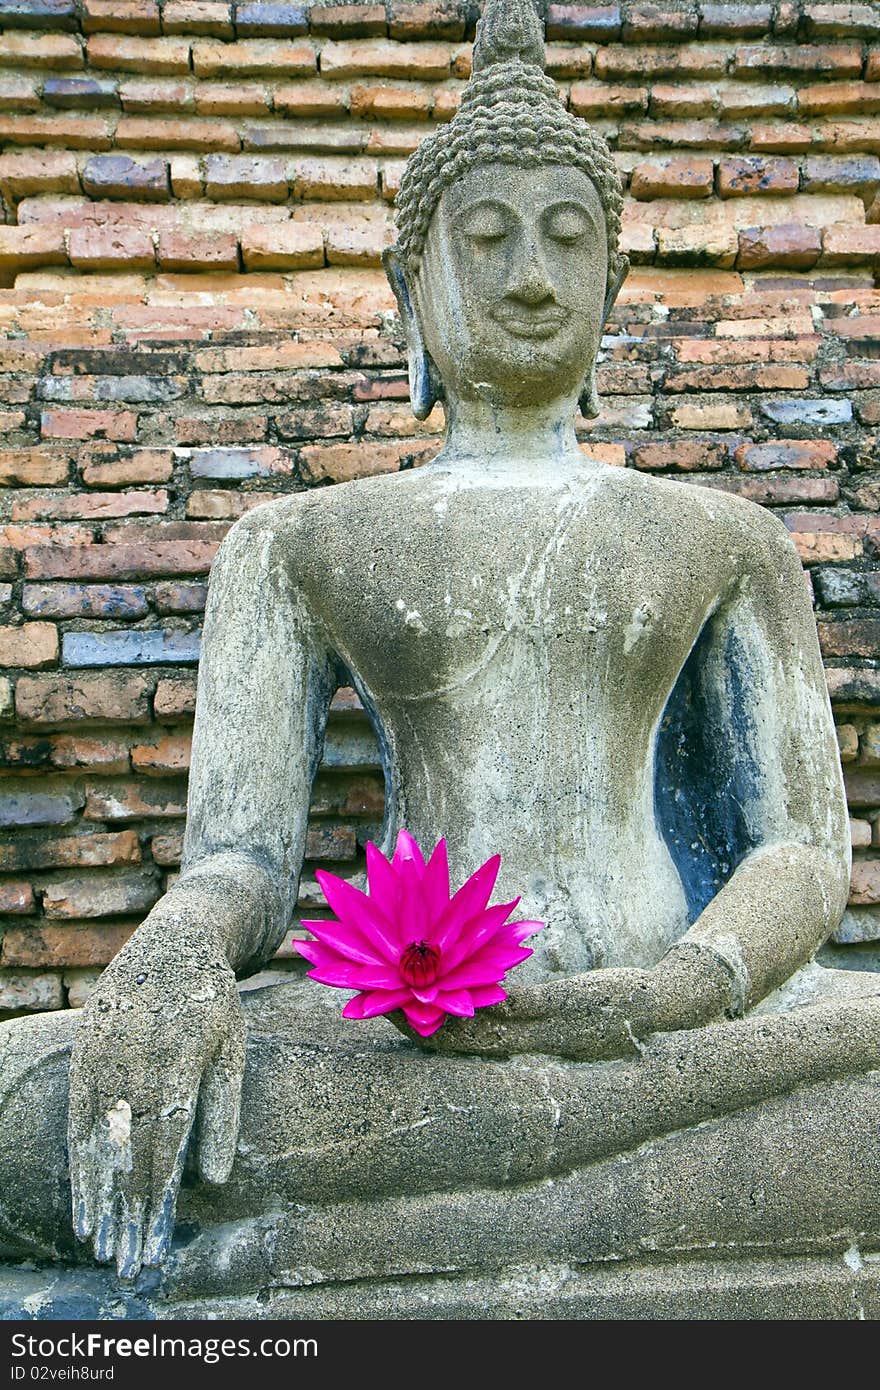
x=409, y=945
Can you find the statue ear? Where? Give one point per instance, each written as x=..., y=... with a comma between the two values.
x=424, y=388
x=589, y=397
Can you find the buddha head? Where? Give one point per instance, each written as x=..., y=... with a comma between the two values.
x=507, y=264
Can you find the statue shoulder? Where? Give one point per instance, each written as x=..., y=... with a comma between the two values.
x=752, y=533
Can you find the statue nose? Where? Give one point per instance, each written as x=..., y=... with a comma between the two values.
x=529, y=282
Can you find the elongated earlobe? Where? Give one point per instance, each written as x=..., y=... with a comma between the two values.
x=424, y=389
x=589, y=397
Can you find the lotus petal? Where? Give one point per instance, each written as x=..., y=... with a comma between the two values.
x=374, y=1002
x=348, y=942
x=352, y=906
x=456, y=1001
x=407, y=850
x=484, y=995
x=470, y=899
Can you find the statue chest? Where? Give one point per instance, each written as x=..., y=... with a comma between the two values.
x=543, y=601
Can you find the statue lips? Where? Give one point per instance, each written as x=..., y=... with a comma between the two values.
x=543, y=321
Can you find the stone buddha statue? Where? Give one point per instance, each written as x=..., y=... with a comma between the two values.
x=610, y=679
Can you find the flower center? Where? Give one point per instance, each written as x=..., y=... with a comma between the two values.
x=419, y=963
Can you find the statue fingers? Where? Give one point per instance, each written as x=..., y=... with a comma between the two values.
x=219, y=1106
x=172, y=1131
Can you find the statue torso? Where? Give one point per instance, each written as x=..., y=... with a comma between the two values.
x=518, y=665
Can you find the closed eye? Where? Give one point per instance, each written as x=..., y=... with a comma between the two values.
x=567, y=222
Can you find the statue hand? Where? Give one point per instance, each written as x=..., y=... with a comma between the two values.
x=600, y=1014
x=161, y=1044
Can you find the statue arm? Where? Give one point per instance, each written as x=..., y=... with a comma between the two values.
x=762, y=688
x=160, y=1048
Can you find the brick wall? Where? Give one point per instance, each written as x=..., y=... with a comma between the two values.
x=195, y=196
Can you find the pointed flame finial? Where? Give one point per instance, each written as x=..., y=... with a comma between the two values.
x=509, y=30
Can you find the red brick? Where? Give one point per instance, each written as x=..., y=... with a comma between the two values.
x=210, y=17
x=391, y=103
x=120, y=176
x=103, y=466
x=186, y=597
x=747, y=175
x=287, y=246
x=314, y=99
x=746, y=376
x=685, y=455
x=111, y=248
x=38, y=171
x=121, y=800
x=142, y=132
x=101, y=896
x=851, y=637
x=788, y=245
x=140, y=94
x=439, y=19
x=102, y=754
x=787, y=138
x=786, y=453
x=594, y=99
x=747, y=99
x=202, y=251
x=211, y=503
x=358, y=243
x=842, y=245
x=673, y=100
x=171, y=754
x=378, y=58
x=245, y=176
x=852, y=20
x=16, y=897
x=335, y=179
x=19, y=93
x=672, y=178
x=55, y=51
x=96, y=506
x=693, y=60
x=697, y=246
x=656, y=23
x=724, y=415
x=158, y=558
x=31, y=645
x=175, y=697
x=25, y=248
x=843, y=60
x=121, y=17
x=76, y=132
x=352, y=21
x=33, y=467
x=252, y=58
x=90, y=697
x=68, y=945
x=343, y=462
x=865, y=885
x=122, y=53
x=853, y=98
x=227, y=99
x=88, y=424
x=851, y=376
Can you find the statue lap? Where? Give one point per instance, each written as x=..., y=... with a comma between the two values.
x=757, y=1137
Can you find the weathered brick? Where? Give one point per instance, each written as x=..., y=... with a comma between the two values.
x=121, y=800
x=175, y=697
x=25, y=248
x=697, y=245
x=127, y=648
x=111, y=248
x=56, y=51
x=677, y=177
x=121, y=17
x=286, y=246
x=756, y=174
x=245, y=176
x=97, y=754
x=843, y=60
x=24, y=808
x=592, y=99
x=183, y=597
x=16, y=896
x=71, y=944
x=343, y=462
x=837, y=174
x=158, y=133
x=358, y=243
x=124, y=53
x=252, y=58
x=96, y=506
x=807, y=412
x=36, y=991
x=200, y=251
x=787, y=138
x=746, y=99
x=843, y=245
x=335, y=179
x=788, y=245
x=33, y=467
x=81, y=850
x=88, y=424
x=352, y=21
x=19, y=92
x=584, y=22
x=228, y=99
x=788, y=453
x=212, y=503
x=270, y=18
x=101, y=896
x=692, y=60
x=84, y=601
x=138, y=95
x=865, y=884
x=860, y=21
x=103, y=467
x=230, y=464
x=171, y=754
x=32, y=645
x=734, y=20
x=378, y=58
x=314, y=99
x=104, y=698
x=850, y=637
x=671, y=99
x=38, y=171
x=120, y=176
x=711, y=416
x=848, y=743
x=209, y=17
x=685, y=455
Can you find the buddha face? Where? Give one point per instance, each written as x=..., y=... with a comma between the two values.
x=512, y=283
